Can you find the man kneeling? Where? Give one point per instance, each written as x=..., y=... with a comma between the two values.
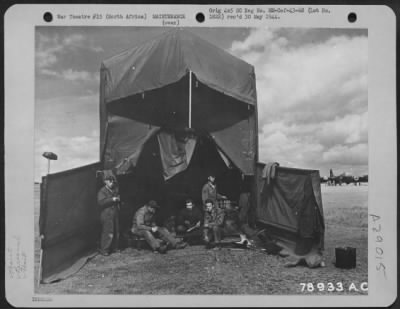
x=159, y=239
x=213, y=224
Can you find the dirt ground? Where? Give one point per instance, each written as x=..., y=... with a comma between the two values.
x=195, y=270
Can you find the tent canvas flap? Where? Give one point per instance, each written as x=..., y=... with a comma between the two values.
x=175, y=153
x=238, y=142
x=125, y=140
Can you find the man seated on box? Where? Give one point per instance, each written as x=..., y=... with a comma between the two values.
x=189, y=220
x=159, y=239
x=213, y=224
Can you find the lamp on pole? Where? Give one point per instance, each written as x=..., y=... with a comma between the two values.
x=49, y=156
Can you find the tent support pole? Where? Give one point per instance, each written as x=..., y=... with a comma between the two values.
x=39, y=276
x=190, y=99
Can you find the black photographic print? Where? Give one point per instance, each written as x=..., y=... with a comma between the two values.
x=310, y=87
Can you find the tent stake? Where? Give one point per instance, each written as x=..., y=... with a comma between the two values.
x=190, y=99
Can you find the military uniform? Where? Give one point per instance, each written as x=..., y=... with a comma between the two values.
x=213, y=224
x=188, y=218
x=209, y=192
x=142, y=224
x=109, y=218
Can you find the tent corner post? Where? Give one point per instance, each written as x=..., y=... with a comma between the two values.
x=190, y=99
x=39, y=276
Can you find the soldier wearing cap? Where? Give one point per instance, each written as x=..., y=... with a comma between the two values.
x=108, y=200
x=157, y=237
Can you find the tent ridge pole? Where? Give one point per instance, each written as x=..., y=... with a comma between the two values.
x=190, y=99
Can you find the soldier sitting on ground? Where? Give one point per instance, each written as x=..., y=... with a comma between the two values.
x=159, y=239
x=213, y=224
x=189, y=221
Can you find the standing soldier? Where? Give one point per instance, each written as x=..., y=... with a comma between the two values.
x=108, y=200
x=213, y=224
x=209, y=191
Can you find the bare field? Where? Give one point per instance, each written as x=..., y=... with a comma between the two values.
x=195, y=270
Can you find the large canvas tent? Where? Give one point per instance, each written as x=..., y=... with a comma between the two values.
x=172, y=110
x=177, y=82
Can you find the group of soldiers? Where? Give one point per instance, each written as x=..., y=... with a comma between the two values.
x=190, y=223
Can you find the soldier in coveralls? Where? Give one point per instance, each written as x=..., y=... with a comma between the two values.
x=108, y=200
x=209, y=191
x=157, y=237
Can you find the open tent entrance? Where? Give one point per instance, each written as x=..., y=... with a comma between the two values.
x=147, y=181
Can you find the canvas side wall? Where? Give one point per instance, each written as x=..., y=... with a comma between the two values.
x=290, y=206
x=69, y=221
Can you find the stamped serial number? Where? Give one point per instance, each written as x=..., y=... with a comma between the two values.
x=310, y=287
x=39, y=298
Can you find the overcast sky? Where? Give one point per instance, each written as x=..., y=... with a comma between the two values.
x=311, y=87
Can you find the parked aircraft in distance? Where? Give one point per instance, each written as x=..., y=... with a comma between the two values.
x=343, y=178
